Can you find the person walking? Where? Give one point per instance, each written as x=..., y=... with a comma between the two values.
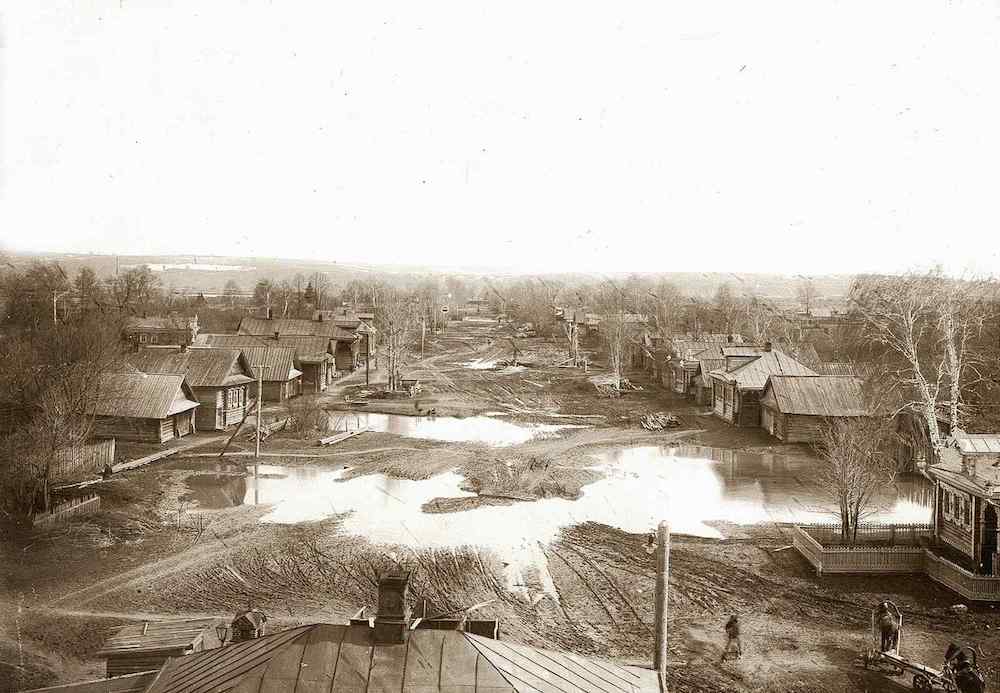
x=733, y=642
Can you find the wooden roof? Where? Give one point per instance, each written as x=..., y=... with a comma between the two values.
x=334, y=329
x=977, y=476
x=754, y=375
x=200, y=367
x=170, y=322
x=307, y=348
x=320, y=658
x=978, y=443
x=156, y=636
x=815, y=395
x=144, y=395
x=279, y=362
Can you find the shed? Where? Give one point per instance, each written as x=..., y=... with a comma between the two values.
x=736, y=392
x=140, y=647
x=793, y=407
x=145, y=407
x=218, y=377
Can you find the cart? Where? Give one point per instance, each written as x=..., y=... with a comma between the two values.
x=893, y=663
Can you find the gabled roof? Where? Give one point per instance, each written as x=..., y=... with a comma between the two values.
x=706, y=366
x=298, y=326
x=200, y=367
x=144, y=395
x=156, y=636
x=279, y=362
x=754, y=375
x=815, y=395
x=327, y=657
x=309, y=348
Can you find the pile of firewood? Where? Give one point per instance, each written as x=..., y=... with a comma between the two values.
x=659, y=421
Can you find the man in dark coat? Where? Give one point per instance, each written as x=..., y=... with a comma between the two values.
x=967, y=678
x=733, y=638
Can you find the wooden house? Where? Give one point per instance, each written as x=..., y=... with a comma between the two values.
x=346, y=333
x=281, y=379
x=967, y=501
x=147, y=646
x=219, y=378
x=737, y=387
x=794, y=407
x=707, y=362
x=172, y=330
x=145, y=407
x=314, y=356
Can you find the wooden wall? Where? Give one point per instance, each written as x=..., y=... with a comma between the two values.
x=141, y=430
x=952, y=509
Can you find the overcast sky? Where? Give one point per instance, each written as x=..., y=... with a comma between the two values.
x=773, y=135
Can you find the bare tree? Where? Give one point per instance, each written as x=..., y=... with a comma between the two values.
x=727, y=308
x=807, y=294
x=760, y=317
x=395, y=317
x=232, y=292
x=925, y=325
x=668, y=308
x=610, y=302
x=854, y=466
x=134, y=291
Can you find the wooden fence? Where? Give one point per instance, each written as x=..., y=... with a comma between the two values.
x=907, y=555
x=75, y=506
x=874, y=534
x=858, y=559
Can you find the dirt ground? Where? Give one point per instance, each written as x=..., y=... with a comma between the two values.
x=152, y=552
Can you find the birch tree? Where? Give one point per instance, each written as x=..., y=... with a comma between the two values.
x=396, y=314
x=611, y=305
x=926, y=326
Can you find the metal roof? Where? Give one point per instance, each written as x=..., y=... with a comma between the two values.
x=320, y=658
x=978, y=443
x=308, y=348
x=754, y=375
x=201, y=367
x=815, y=395
x=741, y=349
x=156, y=636
x=144, y=395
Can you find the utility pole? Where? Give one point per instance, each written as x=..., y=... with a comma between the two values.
x=423, y=331
x=662, y=602
x=256, y=455
x=368, y=353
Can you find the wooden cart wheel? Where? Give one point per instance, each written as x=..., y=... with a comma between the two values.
x=921, y=683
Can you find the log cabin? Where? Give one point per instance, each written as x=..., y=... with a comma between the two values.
x=281, y=379
x=794, y=407
x=170, y=330
x=736, y=389
x=967, y=501
x=220, y=379
x=314, y=356
x=144, y=407
x=147, y=646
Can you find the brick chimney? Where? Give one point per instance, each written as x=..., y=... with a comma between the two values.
x=277, y=336
x=767, y=346
x=393, y=617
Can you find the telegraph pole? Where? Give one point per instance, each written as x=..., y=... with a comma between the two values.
x=256, y=455
x=662, y=590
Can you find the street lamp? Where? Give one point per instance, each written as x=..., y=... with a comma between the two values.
x=222, y=630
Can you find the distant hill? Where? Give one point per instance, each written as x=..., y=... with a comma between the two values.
x=209, y=273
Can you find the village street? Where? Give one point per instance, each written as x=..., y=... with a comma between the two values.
x=538, y=502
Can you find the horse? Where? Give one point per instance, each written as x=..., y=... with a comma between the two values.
x=888, y=626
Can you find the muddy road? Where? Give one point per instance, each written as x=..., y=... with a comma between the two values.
x=534, y=526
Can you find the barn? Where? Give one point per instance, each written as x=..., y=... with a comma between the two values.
x=219, y=378
x=144, y=407
x=794, y=407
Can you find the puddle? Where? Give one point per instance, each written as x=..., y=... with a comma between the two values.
x=690, y=487
x=480, y=365
x=471, y=429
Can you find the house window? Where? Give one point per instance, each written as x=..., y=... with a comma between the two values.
x=142, y=339
x=234, y=397
x=967, y=516
x=152, y=339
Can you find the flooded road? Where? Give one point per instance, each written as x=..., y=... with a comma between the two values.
x=690, y=487
x=471, y=429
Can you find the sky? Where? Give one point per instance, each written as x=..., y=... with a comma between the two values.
x=720, y=135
